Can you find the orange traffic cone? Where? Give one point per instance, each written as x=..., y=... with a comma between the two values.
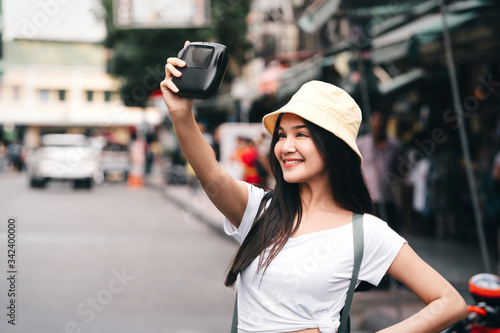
x=135, y=181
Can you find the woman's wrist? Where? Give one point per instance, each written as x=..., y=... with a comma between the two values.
x=181, y=114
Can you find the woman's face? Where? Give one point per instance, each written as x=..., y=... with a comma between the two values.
x=296, y=152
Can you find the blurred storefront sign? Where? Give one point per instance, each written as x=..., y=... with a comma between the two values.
x=135, y=14
x=60, y=20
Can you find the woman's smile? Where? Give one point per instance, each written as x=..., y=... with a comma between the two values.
x=288, y=162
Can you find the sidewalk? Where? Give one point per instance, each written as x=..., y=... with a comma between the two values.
x=193, y=200
x=373, y=310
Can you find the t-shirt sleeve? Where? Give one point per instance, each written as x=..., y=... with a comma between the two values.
x=255, y=195
x=382, y=245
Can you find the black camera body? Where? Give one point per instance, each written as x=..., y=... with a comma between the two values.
x=205, y=68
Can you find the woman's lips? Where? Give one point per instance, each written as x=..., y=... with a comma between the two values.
x=291, y=163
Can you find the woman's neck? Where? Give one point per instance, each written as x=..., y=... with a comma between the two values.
x=316, y=196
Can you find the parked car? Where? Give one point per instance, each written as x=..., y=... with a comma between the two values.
x=115, y=162
x=65, y=157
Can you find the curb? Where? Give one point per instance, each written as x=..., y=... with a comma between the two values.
x=199, y=214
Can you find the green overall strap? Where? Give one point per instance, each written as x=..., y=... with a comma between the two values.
x=234, y=323
x=358, y=238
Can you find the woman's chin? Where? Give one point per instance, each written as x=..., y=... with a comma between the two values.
x=292, y=180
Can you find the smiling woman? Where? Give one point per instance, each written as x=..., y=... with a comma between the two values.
x=295, y=261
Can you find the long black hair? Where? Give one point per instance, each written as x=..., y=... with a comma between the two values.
x=276, y=224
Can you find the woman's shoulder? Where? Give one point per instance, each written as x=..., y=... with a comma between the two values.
x=377, y=230
x=373, y=223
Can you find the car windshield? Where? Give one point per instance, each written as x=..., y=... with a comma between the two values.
x=65, y=140
x=115, y=147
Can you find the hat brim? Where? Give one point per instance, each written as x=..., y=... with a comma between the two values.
x=319, y=117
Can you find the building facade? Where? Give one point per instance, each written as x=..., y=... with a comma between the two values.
x=52, y=86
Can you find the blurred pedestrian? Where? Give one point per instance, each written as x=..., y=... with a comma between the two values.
x=444, y=187
x=149, y=159
x=263, y=166
x=15, y=155
x=246, y=153
x=418, y=178
x=380, y=167
x=295, y=260
x=4, y=159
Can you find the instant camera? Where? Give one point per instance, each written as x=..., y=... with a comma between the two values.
x=205, y=68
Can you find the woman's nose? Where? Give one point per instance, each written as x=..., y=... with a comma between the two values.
x=288, y=146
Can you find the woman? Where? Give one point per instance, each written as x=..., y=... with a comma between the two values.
x=295, y=259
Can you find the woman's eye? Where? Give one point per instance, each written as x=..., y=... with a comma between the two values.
x=301, y=135
x=281, y=135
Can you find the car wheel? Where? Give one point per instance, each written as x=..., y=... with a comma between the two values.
x=88, y=183
x=37, y=183
x=34, y=183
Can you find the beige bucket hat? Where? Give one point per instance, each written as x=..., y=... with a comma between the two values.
x=325, y=105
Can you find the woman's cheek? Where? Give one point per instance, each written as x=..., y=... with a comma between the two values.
x=277, y=150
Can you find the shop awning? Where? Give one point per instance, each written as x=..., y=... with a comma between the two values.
x=400, y=81
x=317, y=14
x=403, y=41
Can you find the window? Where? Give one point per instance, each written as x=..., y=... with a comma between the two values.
x=44, y=95
x=62, y=95
x=107, y=96
x=90, y=95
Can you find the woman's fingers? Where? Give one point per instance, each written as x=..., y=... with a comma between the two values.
x=169, y=90
x=170, y=85
x=173, y=70
x=176, y=62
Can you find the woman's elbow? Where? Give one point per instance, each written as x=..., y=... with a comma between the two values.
x=459, y=308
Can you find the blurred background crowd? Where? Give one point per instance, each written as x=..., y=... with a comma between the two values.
x=93, y=68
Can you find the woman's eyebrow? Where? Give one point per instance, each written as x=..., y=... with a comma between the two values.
x=294, y=127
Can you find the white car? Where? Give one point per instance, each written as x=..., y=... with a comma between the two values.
x=70, y=157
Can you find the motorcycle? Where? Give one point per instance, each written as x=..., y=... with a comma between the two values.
x=484, y=315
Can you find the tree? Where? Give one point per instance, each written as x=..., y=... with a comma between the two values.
x=138, y=56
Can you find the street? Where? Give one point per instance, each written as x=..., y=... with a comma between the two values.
x=109, y=260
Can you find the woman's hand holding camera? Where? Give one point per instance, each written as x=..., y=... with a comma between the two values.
x=176, y=105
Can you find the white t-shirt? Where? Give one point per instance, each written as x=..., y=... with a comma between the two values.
x=305, y=285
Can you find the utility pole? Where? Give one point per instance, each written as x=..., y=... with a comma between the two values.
x=463, y=140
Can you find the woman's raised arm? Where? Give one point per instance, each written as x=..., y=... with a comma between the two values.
x=228, y=195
